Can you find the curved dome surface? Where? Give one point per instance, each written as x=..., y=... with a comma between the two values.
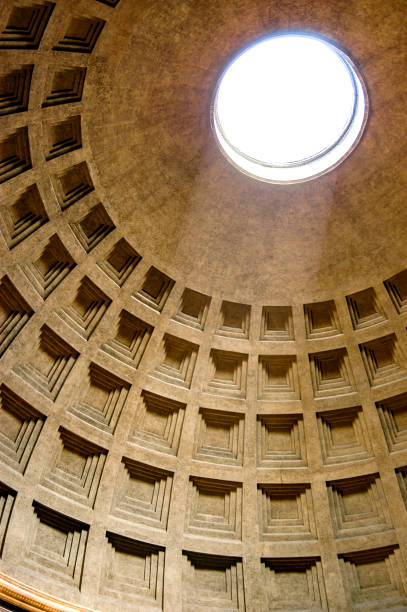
x=203, y=394
x=150, y=128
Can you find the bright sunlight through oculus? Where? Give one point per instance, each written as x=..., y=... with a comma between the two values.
x=289, y=107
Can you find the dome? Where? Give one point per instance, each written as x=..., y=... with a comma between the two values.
x=203, y=395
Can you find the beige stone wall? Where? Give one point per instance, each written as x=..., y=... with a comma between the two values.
x=178, y=432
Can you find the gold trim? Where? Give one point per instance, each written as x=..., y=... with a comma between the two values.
x=20, y=594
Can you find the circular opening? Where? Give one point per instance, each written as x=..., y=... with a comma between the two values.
x=289, y=108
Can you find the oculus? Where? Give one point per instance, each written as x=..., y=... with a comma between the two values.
x=289, y=107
